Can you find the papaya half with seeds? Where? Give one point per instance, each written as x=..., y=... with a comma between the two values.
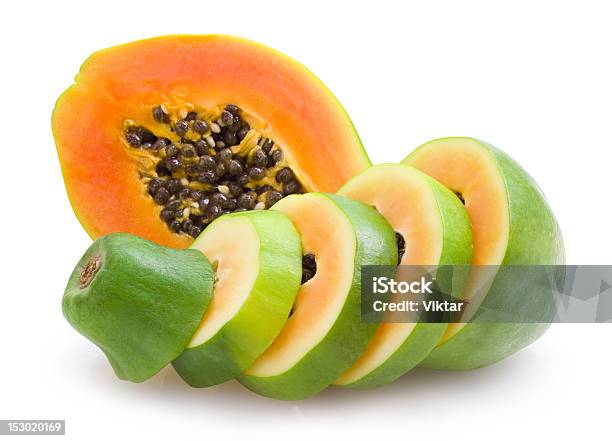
x=159, y=137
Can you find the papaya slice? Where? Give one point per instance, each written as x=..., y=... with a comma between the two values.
x=512, y=224
x=324, y=334
x=138, y=301
x=432, y=229
x=258, y=261
x=161, y=136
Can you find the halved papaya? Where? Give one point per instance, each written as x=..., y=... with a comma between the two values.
x=512, y=224
x=432, y=229
x=161, y=136
x=324, y=335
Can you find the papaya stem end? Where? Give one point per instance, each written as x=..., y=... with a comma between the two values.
x=89, y=271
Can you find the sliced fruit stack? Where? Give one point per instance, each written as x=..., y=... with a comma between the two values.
x=284, y=315
x=241, y=148
x=280, y=335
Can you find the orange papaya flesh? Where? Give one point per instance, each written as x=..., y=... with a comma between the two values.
x=136, y=110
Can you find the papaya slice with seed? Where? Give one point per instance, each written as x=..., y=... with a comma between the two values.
x=324, y=335
x=138, y=301
x=512, y=224
x=257, y=256
x=433, y=225
x=136, y=133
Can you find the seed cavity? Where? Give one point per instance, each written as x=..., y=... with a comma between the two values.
x=89, y=271
x=460, y=196
x=309, y=267
x=207, y=164
x=401, y=246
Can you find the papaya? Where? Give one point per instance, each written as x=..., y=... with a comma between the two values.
x=138, y=301
x=258, y=260
x=324, y=334
x=512, y=224
x=432, y=228
x=160, y=137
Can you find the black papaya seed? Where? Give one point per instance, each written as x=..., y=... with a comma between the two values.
x=173, y=164
x=227, y=118
x=201, y=146
x=291, y=187
x=161, y=196
x=173, y=205
x=230, y=138
x=207, y=177
x=172, y=150
x=247, y=200
x=233, y=109
x=166, y=215
x=277, y=156
x=174, y=225
x=256, y=173
x=224, y=155
x=214, y=211
x=160, y=116
x=207, y=163
x=259, y=158
x=200, y=126
x=234, y=167
x=181, y=127
x=273, y=197
x=173, y=185
x=133, y=139
x=154, y=185
x=284, y=175
x=186, y=225
x=267, y=146
x=195, y=231
x=188, y=151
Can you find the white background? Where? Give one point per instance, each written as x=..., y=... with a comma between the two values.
x=533, y=78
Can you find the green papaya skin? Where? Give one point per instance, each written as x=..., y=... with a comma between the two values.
x=138, y=301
